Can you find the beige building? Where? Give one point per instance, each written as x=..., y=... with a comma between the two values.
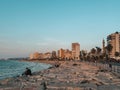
x=36, y=55
x=76, y=51
x=68, y=54
x=114, y=40
x=61, y=53
x=47, y=55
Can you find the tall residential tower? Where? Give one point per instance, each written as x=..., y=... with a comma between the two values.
x=114, y=40
x=76, y=51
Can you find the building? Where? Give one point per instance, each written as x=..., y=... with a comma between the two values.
x=61, y=53
x=76, y=51
x=47, y=55
x=35, y=55
x=114, y=40
x=68, y=54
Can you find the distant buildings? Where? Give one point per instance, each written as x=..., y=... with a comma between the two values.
x=68, y=54
x=62, y=53
x=65, y=54
x=37, y=55
x=76, y=51
x=47, y=55
x=114, y=40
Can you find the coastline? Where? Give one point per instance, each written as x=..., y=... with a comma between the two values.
x=69, y=75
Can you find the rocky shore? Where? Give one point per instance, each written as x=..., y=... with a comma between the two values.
x=70, y=75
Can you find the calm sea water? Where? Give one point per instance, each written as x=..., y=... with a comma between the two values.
x=12, y=68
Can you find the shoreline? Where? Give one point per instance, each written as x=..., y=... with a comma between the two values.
x=34, y=61
x=69, y=75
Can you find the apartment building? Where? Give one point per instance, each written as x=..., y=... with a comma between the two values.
x=76, y=51
x=61, y=53
x=114, y=40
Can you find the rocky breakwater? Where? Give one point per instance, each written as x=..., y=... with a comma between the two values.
x=68, y=76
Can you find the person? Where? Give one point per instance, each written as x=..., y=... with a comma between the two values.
x=110, y=66
x=27, y=72
x=43, y=85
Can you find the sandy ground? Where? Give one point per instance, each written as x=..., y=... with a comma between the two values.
x=69, y=75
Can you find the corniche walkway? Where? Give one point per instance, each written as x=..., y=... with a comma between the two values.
x=69, y=75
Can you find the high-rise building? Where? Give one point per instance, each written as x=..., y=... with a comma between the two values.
x=61, y=53
x=114, y=40
x=76, y=51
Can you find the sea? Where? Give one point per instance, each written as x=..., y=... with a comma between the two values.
x=13, y=68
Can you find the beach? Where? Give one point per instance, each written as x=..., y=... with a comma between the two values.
x=70, y=75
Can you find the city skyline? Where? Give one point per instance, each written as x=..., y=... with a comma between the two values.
x=28, y=26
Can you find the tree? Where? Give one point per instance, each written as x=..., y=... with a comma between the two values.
x=117, y=54
x=109, y=38
x=109, y=49
x=83, y=54
x=98, y=50
x=93, y=50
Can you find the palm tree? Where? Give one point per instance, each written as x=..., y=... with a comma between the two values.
x=98, y=50
x=93, y=50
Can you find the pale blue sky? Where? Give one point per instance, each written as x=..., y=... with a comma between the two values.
x=27, y=26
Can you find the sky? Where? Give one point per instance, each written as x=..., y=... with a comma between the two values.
x=28, y=26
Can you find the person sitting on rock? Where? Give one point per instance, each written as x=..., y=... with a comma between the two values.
x=27, y=72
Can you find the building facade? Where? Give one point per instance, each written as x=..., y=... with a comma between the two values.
x=76, y=51
x=61, y=53
x=68, y=54
x=114, y=40
x=36, y=55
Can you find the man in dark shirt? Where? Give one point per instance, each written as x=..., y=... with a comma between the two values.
x=27, y=72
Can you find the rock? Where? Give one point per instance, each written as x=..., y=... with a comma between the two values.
x=74, y=64
x=84, y=81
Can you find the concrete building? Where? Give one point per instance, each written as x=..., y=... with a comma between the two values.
x=114, y=40
x=68, y=54
x=35, y=55
x=76, y=51
x=61, y=53
x=47, y=55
